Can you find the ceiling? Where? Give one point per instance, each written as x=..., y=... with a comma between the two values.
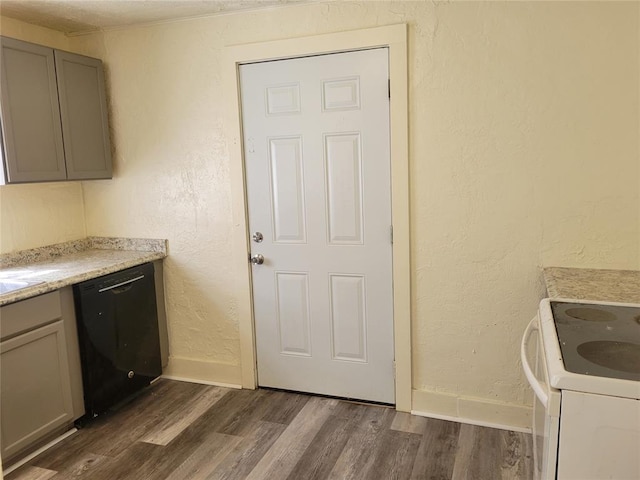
x=80, y=16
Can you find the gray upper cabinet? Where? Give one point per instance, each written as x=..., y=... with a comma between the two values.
x=54, y=115
x=83, y=110
x=31, y=130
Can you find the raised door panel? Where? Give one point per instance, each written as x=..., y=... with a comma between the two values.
x=36, y=388
x=32, y=136
x=343, y=165
x=287, y=190
x=292, y=310
x=83, y=109
x=348, y=318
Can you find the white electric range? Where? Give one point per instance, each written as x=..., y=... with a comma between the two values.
x=586, y=383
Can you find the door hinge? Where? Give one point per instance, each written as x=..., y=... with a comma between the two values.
x=389, y=87
x=394, y=369
x=391, y=233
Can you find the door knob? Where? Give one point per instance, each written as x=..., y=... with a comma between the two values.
x=257, y=259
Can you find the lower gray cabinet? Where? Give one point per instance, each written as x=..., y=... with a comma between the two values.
x=40, y=381
x=36, y=388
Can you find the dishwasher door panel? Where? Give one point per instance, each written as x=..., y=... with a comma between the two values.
x=118, y=333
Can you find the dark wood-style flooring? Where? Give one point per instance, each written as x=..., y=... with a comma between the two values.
x=178, y=431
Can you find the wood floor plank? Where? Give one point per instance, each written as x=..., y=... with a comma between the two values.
x=224, y=416
x=61, y=455
x=285, y=407
x=83, y=468
x=320, y=457
x=205, y=458
x=405, y=422
x=286, y=451
x=526, y=469
x=148, y=461
x=163, y=460
x=437, y=452
x=30, y=473
x=144, y=414
x=478, y=453
x=516, y=455
x=186, y=444
x=250, y=406
x=134, y=463
x=128, y=424
x=248, y=453
x=358, y=458
x=395, y=454
x=172, y=425
x=212, y=420
x=99, y=435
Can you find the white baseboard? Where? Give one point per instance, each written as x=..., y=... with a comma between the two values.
x=474, y=411
x=202, y=382
x=202, y=371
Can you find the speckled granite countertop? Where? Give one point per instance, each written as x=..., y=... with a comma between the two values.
x=67, y=263
x=591, y=284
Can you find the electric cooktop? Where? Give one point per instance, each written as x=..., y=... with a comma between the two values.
x=599, y=340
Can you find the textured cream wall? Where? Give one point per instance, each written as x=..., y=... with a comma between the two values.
x=39, y=214
x=524, y=154
x=524, y=143
x=33, y=33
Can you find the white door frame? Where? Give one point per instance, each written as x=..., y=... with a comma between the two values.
x=395, y=38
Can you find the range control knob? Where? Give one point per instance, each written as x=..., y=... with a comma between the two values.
x=130, y=374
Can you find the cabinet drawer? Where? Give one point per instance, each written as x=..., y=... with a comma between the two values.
x=29, y=314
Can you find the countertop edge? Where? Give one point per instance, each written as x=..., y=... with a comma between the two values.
x=550, y=282
x=49, y=286
x=58, y=250
x=606, y=285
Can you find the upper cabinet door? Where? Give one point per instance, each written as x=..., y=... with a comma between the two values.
x=33, y=149
x=83, y=109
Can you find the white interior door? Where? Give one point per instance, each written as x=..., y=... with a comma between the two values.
x=317, y=159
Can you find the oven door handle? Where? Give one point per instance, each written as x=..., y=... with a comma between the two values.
x=533, y=381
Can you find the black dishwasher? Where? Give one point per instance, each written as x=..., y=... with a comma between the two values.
x=118, y=333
